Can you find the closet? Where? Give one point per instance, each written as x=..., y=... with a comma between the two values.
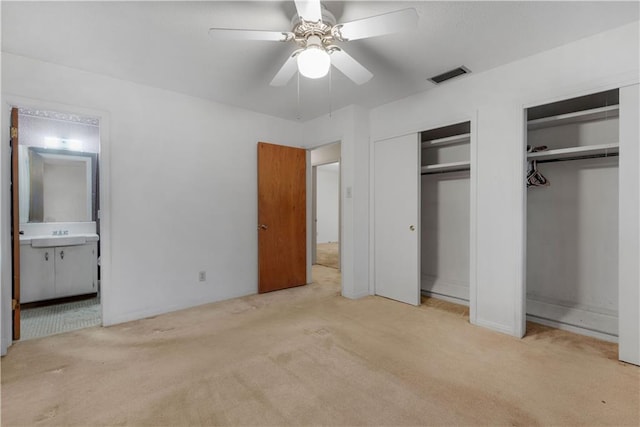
x=445, y=212
x=580, y=267
x=572, y=214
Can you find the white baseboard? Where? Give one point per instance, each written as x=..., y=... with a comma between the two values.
x=356, y=295
x=575, y=330
x=447, y=298
x=581, y=320
x=445, y=287
x=496, y=327
x=109, y=319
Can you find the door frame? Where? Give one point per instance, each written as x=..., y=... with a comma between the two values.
x=15, y=223
x=311, y=206
x=104, y=214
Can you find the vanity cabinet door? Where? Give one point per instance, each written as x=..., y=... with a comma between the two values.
x=74, y=270
x=37, y=274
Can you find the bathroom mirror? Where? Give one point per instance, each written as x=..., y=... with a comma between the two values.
x=57, y=185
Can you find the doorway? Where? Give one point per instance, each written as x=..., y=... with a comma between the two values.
x=326, y=214
x=57, y=280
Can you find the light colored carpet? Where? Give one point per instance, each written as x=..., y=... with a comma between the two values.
x=54, y=319
x=327, y=254
x=307, y=356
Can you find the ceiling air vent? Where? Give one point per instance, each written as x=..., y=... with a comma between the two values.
x=449, y=75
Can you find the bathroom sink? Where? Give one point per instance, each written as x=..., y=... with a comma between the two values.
x=51, y=241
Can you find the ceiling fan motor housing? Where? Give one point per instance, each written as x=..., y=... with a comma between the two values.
x=316, y=33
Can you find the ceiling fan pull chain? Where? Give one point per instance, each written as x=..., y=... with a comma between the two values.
x=298, y=94
x=330, y=92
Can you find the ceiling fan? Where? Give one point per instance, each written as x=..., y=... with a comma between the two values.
x=315, y=33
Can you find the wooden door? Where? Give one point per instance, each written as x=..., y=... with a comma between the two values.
x=282, y=217
x=15, y=224
x=397, y=218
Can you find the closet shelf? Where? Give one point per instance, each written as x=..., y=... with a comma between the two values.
x=446, y=167
x=576, y=117
x=576, y=152
x=455, y=139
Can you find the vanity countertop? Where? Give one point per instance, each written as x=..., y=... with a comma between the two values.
x=46, y=241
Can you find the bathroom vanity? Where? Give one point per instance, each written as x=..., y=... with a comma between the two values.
x=57, y=266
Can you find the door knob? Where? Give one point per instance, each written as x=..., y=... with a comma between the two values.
x=412, y=227
x=262, y=226
x=61, y=254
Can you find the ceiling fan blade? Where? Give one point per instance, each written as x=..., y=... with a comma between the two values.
x=309, y=10
x=350, y=67
x=238, y=34
x=379, y=25
x=287, y=71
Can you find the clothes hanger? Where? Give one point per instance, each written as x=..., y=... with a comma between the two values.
x=534, y=177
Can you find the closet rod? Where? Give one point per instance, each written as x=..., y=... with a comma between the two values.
x=593, y=156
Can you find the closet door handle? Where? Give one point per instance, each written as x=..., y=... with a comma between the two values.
x=61, y=254
x=412, y=227
x=46, y=256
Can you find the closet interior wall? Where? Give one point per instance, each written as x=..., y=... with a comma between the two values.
x=445, y=212
x=572, y=221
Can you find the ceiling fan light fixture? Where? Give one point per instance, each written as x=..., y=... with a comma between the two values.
x=314, y=32
x=314, y=61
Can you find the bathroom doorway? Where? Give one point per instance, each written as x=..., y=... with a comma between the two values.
x=55, y=208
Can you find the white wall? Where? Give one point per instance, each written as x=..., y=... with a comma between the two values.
x=445, y=219
x=498, y=97
x=328, y=193
x=181, y=186
x=5, y=226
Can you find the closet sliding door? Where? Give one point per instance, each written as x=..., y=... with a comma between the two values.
x=397, y=218
x=629, y=237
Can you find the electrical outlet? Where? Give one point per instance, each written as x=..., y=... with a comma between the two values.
x=202, y=276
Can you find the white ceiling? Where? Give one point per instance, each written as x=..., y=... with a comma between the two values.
x=166, y=45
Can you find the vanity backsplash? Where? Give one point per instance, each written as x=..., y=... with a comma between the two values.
x=57, y=228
